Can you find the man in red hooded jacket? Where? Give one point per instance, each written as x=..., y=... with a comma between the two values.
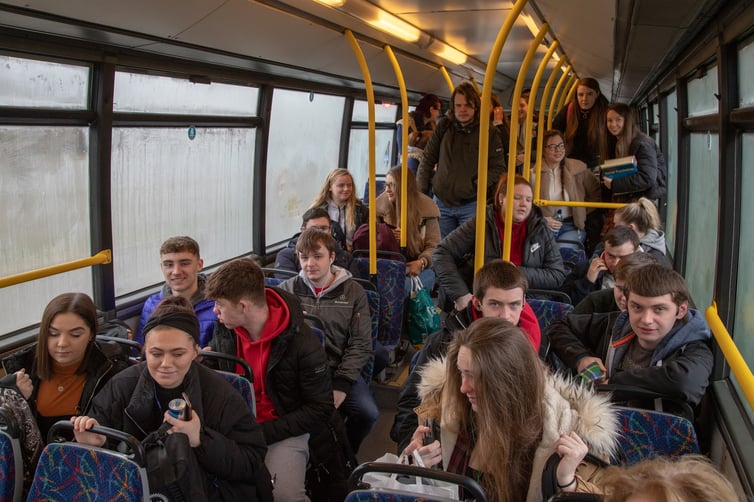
x=499, y=291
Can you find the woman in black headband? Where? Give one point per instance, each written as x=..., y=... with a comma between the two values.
x=221, y=430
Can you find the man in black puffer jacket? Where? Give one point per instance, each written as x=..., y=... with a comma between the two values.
x=292, y=385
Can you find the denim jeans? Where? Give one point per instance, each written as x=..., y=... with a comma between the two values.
x=568, y=232
x=452, y=217
x=361, y=411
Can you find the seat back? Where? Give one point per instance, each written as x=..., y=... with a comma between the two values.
x=571, y=255
x=374, y=311
x=379, y=185
x=391, y=288
x=274, y=276
x=548, y=294
x=130, y=348
x=646, y=434
x=73, y=471
x=548, y=311
x=11, y=459
x=243, y=386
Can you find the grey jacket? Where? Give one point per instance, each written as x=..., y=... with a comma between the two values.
x=455, y=150
x=344, y=309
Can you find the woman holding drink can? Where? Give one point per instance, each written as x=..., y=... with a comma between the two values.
x=222, y=432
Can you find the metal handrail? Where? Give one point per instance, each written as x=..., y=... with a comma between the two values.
x=733, y=356
x=102, y=258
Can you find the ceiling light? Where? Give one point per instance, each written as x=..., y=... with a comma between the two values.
x=449, y=53
x=397, y=27
x=332, y=3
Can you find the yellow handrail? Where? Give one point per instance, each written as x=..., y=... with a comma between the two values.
x=543, y=127
x=531, y=107
x=555, y=95
x=448, y=81
x=513, y=144
x=732, y=355
x=571, y=203
x=372, y=162
x=484, y=130
x=570, y=85
x=515, y=99
x=570, y=94
x=102, y=258
x=404, y=144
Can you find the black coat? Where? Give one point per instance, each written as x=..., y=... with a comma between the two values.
x=232, y=446
x=297, y=379
x=104, y=361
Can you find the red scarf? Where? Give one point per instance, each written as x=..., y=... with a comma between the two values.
x=518, y=236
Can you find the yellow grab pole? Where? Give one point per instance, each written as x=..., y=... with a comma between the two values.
x=102, y=258
x=530, y=110
x=571, y=83
x=556, y=94
x=484, y=131
x=372, y=169
x=404, y=144
x=572, y=91
x=446, y=76
x=475, y=85
x=544, y=127
x=733, y=356
x=513, y=143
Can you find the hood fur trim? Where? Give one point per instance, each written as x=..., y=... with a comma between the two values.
x=432, y=377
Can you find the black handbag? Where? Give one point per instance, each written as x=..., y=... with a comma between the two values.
x=172, y=468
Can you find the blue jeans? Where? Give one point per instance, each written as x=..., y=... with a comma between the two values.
x=568, y=232
x=361, y=411
x=427, y=276
x=452, y=217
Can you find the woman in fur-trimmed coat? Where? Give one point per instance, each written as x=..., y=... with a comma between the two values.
x=501, y=415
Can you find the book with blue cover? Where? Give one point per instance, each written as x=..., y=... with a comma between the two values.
x=619, y=168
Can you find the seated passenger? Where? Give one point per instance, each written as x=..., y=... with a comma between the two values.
x=327, y=291
x=613, y=299
x=501, y=415
x=643, y=218
x=287, y=259
x=499, y=291
x=568, y=180
x=181, y=265
x=338, y=197
x=687, y=478
x=292, y=386
x=533, y=247
x=422, y=220
x=659, y=344
x=597, y=273
x=227, y=441
x=61, y=373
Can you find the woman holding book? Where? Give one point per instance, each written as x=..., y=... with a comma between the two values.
x=630, y=141
x=568, y=180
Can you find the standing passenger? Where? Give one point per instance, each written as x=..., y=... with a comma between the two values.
x=630, y=141
x=454, y=149
x=292, y=386
x=347, y=213
x=181, y=265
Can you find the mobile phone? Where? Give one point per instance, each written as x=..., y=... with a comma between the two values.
x=590, y=374
x=187, y=410
x=429, y=436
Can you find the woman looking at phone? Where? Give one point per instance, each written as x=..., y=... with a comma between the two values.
x=221, y=430
x=502, y=414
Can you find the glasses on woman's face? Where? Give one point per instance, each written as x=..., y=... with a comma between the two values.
x=553, y=148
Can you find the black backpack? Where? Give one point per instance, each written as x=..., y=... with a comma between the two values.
x=172, y=467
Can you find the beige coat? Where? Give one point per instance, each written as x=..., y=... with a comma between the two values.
x=429, y=231
x=567, y=408
x=580, y=183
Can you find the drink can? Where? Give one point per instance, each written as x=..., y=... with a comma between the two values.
x=177, y=408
